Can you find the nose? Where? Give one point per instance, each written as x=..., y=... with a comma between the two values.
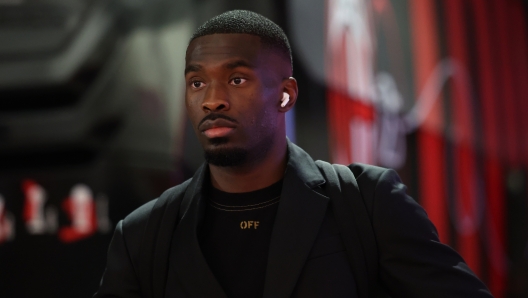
x=216, y=99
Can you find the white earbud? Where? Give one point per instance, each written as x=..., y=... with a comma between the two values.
x=285, y=99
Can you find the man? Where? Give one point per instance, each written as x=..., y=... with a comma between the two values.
x=256, y=220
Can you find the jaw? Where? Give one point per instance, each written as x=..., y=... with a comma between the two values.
x=226, y=157
x=257, y=170
x=238, y=154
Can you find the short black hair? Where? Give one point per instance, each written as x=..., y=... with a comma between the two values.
x=248, y=22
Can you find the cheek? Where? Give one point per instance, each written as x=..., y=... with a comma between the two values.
x=187, y=103
x=268, y=122
x=193, y=115
x=191, y=103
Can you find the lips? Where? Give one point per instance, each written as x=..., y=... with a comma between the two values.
x=217, y=132
x=217, y=128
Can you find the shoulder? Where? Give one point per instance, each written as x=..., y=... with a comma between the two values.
x=133, y=226
x=368, y=172
x=372, y=177
x=391, y=208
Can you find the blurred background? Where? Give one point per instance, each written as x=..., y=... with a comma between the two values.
x=92, y=120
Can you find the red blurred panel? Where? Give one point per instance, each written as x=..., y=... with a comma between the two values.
x=430, y=136
x=496, y=227
x=491, y=106
x=486, y=78
x=504, y=78
x=343, y=110
x=519, y=57
x=349, y=67
x=466, y=194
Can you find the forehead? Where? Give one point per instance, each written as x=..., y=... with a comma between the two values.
x=220, y=47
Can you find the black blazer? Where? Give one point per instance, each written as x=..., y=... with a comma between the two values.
x=306, y=256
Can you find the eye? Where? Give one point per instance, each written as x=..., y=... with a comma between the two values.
x=237, y=81
x=197, y=84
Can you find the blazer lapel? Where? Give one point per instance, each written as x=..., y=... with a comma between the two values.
x=187, y=259
x=299, y=217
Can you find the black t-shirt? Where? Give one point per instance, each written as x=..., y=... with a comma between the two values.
x=235, y=238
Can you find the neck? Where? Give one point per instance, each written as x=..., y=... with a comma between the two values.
x=251, y=176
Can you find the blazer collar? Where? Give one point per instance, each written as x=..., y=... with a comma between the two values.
x=187, y=259
x=303, y=166
x=300, y=214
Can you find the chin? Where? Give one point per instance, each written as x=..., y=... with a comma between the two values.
x=218, y=141
x=225, y=157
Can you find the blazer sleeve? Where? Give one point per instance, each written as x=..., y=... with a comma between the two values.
x=413, y=261
x=120, y=279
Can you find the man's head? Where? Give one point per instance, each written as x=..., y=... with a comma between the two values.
x=238, y=68
x=248, y=22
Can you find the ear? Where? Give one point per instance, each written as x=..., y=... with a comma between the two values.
x=289, y=86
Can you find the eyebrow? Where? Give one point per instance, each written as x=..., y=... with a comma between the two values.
x=239, y=63
x=230, y=65
x=192, y=68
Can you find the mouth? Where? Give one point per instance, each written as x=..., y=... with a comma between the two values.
x=218, y=132
x=217, y=128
